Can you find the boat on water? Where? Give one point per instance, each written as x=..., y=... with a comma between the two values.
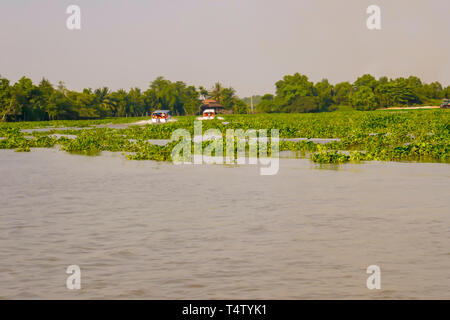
x=209, y=114
x=160, y=116
x=445, y=104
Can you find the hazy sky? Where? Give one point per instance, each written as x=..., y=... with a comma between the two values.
x=248, y=44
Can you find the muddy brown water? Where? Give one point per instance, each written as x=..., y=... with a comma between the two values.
x=158, y=231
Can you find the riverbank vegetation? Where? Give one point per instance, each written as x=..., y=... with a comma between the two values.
x=295, y=93
x=26, y=101
x=413, y=135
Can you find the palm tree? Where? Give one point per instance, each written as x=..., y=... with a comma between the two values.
x=217, y=92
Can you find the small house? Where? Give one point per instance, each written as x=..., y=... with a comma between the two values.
x=209, y=104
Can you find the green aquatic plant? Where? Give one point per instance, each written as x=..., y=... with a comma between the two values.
x=414, y=135
x=148, y=151
x=23, y=149
x=330, y=157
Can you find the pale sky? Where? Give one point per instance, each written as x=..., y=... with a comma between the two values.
x=247, y=44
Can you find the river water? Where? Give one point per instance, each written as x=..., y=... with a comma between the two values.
x=158, y=231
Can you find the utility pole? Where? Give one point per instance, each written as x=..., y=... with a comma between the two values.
x=251, y=104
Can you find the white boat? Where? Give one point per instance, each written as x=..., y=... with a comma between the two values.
x=160, y=116
x=209, y=114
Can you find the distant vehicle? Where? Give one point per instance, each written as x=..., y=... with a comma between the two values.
x=445, y=104
x=160, y=116
x=209, y=114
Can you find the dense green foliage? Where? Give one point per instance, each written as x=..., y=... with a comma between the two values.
x=413, y=135
x=25, y=101
x=295, y=93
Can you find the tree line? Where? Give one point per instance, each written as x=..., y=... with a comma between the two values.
x=295, y=93
x=25, y=101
